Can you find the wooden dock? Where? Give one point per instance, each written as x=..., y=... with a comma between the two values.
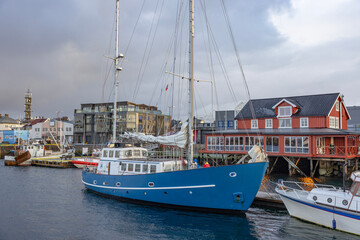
x=267, y=199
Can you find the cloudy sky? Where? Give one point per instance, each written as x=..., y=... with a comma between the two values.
x=59, y=50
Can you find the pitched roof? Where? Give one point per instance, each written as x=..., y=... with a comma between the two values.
x=36, y=121
x=6, y=119
x=310, y=105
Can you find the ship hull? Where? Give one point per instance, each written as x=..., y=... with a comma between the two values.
x=347, y=221
x=226, y=189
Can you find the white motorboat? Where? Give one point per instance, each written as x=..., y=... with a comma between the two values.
x=325, y=205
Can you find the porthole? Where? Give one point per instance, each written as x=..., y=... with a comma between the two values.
x=190, y=192
x=314, y=198
x=94, y=182
x=232, y=174
x=118, y=184
x=144, y=193
x=329, y=200
x=151, y=184
x=345, y=202
x=165, y=192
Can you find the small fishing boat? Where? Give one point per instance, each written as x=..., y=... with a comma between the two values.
x=56, y=161
x=325, y=205
x=18, y=158
x=24, y=155
x=85, y=162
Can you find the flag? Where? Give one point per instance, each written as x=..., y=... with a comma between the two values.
x=167, y=86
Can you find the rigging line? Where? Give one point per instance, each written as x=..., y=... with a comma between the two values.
x=133, y=32
x=107, y=62
x=131, y=37
x=201, y=102
x=211, y=66
x=162, y=70
x=180, y=80
x=146, y=58
x=175, y=50
x=146, y=47
x=225, y=12
x=222, y=64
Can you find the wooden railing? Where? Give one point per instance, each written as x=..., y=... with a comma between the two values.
x=337, y=150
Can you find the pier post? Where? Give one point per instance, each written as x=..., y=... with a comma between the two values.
x=311, y=168
x=290, y=172
x=356, y=164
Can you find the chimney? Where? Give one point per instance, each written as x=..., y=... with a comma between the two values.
x=0, y=115
x=6, y=115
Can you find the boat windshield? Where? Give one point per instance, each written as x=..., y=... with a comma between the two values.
x=355, y=189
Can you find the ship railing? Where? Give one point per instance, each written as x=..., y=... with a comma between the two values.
x=299, y=188
x=165, y=154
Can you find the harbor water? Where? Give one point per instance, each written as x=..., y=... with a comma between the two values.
x=47, y=203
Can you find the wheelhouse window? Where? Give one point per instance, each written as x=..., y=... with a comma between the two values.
x=254, y=123
x=111, y=154
x=137, y=167
x=123, y=166
x=234, y=143
x=136, y=153
x=268, y=123
x=145, y=168
x=128, y=153
x=304, y=122
x=272, y=144
x=152, y=168
x=105, y=153
x=284, y=111
x=130, y=167
x=284, y=122
x=144, y=153
x=297, y=144
x=215, y=143
x=117, y=154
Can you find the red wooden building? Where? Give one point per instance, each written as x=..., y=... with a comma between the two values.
x=312, y=127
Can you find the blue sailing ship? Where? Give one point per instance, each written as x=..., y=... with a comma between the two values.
x=134, y=174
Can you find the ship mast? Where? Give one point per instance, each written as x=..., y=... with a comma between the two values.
x=191, y=83
x=117, y=69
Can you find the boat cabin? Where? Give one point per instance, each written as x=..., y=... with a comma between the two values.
x=134, y=160
x=355, y=187
x=338, y=198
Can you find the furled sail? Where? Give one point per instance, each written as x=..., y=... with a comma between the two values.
x=178, y=139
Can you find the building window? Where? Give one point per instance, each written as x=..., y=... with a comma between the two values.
x=268, y=123
x=304, y=122
x=331, y=122
x=221, y=123
x=215, y=143
x=337, y=106
x=297, y=144
x=230, y=124
x=234, y=143
x=251, y=141
x=284, y=111
x=272, y=144
x=254, y=123
x=337, y=122
x=285, y=123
